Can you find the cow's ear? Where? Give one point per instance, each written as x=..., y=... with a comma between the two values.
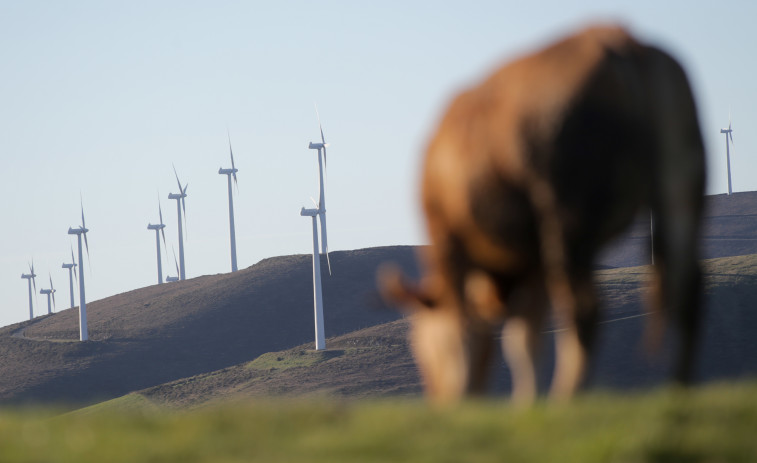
x=396, y=290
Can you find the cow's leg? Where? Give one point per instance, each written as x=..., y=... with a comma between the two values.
x=521, y=334
x=520, y=337
x=575, y=335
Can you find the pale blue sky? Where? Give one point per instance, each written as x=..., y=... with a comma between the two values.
x=101, y=97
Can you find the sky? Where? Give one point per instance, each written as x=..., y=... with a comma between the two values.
x=99, y=99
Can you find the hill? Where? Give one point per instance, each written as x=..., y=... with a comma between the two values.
x=729, y=229
x=376, y=362
x=165, y=332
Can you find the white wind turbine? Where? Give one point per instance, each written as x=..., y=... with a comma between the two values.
x=728, y=134
x=229, y=173
x=158, y=231
x=180, y=205
x=79, y=232
x=320, y=338
x=49, y=292
x=170, y=279
x=31, y=279
x=71, y=275
x=322, y=164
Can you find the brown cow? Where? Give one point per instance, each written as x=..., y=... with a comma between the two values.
x=530, y=173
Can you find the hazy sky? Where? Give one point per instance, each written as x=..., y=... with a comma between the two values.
x=99, y=98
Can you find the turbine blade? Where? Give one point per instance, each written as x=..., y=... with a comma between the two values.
x=51, y=281
x=231, y=152
x=75, y=278
x=160, y=210
x=34, y=282
x=328, y=262
x=325, y=171
x=317, y=206
x=184, y=209
x=86, y=244
x=162, y=232
x=175, y=261
x=73, y=261
x=177, y=178
x=81, y=202
x=323, y=140
x=53, y=294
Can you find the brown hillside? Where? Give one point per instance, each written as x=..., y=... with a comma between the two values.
x=155, y=335
x=376, y=361
x=729, y=229
x=165, y=332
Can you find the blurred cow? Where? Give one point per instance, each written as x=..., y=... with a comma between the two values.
x=529, y=174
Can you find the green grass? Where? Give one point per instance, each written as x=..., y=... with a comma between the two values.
x=713, y=424
x=285, y=360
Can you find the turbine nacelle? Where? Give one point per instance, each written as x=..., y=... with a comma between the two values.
x=223, y=171
x=77, y=231
x=155, y=227
x=68, y=265
x=47, y=291
x=309, y=212
x=317, y=146
x=176, y=196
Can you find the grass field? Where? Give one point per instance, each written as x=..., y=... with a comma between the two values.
x=717, y=423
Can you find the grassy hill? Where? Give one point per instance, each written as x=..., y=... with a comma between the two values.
x=712, y=424
x=163, y=334
x=729, y=229
x=376, y=362
x=166, y=332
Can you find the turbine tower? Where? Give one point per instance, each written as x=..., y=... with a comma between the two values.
x=49, y=292
x=321, y=147
x=158, y=231
x=180, y=205
x=229, y=173
x=728, y=134
x=320, y=339
x=71, y=276
x=79, y=232
x=31, y=279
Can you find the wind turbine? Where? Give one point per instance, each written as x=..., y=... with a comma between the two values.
x=180, y=205
x=320, y=339
x=71, y=275
x=79, y=232
x=229, y=173
x=158, y=231
x=728, y=134
x=49, y=292
x=176, y=278
x=321, y=211
x=31, y=279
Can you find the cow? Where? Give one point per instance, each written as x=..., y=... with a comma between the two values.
x=529, y=174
